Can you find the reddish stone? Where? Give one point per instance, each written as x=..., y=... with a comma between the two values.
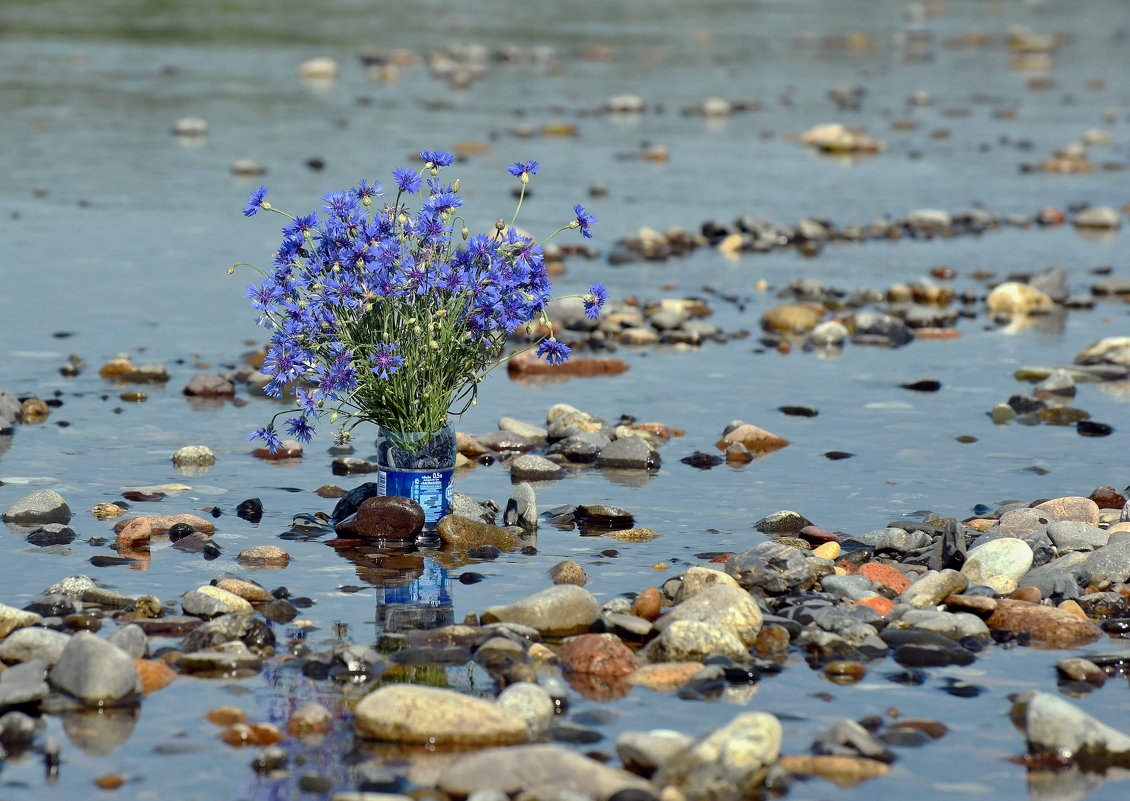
x=137, y=530
x=722, y=557
x=933, y=729
x=256, y=734
x=1108, y=498
x=528, y=363
x=664, y=675
x=660, y=430
x=154, y=675
x=329, y=491
x=312, y=718
x=598, y=654
x=384, y=517
x=1057, y=628
x=772, y=642
x=817, y=535
x=1079, y=510
x=975, y=604
x=290, y=449
x=881, y=605
x=1029, y=594
x=886, y=575
x=647, y=604
x=757, y=440
x=162, y=523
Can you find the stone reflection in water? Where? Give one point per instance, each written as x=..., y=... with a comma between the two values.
x=100, y=732
x=1073, y=784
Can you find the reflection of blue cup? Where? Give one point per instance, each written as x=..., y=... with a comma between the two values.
x=423, y=603
x=429, y=488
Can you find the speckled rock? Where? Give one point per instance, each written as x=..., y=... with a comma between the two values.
x=694, y=641
x=532, y=704
x=194, y=456
x=728, y=764
x=644, y=752
x=555, y=612
x=1054, y=627
x=601, y=655
x=699, y=578
x=12, y=619
x=1081, y=510
x=418, y=715
x=33, y=642
x=263, y=556
x=463, y=534
x=999, y=564
x=933, y=587
x=531, y=467
x=730, y=608
x=568, y=572
x=41, y=506
x=1108, y=564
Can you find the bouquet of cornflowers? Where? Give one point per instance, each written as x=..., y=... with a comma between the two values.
x=393, y=316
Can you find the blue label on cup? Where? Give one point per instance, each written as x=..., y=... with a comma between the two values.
x=429, y=488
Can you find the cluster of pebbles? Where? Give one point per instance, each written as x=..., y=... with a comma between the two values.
x=899, y=601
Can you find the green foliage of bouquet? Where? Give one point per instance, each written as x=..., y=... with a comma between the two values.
x=393, y=316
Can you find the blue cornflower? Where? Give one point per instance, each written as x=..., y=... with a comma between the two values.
x=385, y=362
x=522, y=170
x=255, y=201
x=300, y=226
x=300, y=428
x=261, y=296
x=365, y=192
x=583, y=221
x=443, y=203
x=269, y=436
x=408, y=181
x=340, y=204
x=553, y=351
x=434, y=159
x=308, y=402
x=595, y=300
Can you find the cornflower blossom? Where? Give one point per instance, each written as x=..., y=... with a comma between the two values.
x=439, y=308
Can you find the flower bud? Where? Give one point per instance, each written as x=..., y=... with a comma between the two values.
x=231, y=270
x=455, y=186
x=500, y=225
x=465, y=233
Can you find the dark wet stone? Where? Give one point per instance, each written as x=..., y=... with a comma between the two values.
x=593, y=515
x=782, y=522
x=631, y=453
x=703, y=461
x=51, y=534
x=254, y=633
x=1092, y=428
x=874, y=328
x=179, y=531
x=250, y=510
x=169, y=626
x=798, y=411
x=922, y=385
x=39, y=507
x=280, y=611
x=351, y=500
x=566, y=731
x=949, y=548
x=383, y=517
x=53, y=605
x=505, y=441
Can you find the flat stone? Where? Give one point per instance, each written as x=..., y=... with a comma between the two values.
x=94, y=671
x=537, y=771
x=559, y=611
x=1109, y=564
x=1081, y=510
x=418, y=715
x=463, y=534
x=263, y=556
x=664, y=676
x=41, y=506
x=628, y=453
x=934, y=587
x=160, y=524
x=32, y=642
x=208, y=601
x=644, y=752
x=1054, y=627
x=12, y=619
x=955, y=625
x=1068, y=535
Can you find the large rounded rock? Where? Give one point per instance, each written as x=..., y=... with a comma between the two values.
x=629, y=453
x=537, y=771
x=383, y=517
x=1015, y=299
x=694, y=641
x=463, y=534
x=728, y=607
x=699, y=578
x=416, y=715
x=1053, y=627
x=1054, y=726
x=12, y=619
x=556, y=612
x=792, y=318
x=32, y=642
x=728, y=764
x=532, y=704
x=41, y=506
x=94, y=671
x=999, y=564
x=601, y=655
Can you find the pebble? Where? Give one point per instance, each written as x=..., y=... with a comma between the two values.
x=532, y=704
x=32, y=642
x=559, y=611
x=12, y=619
x=933, y=587
x=463, y=534
x=208, y=602
x=263, y=556
x=772, y=568
x=664, y=676
x=644, y=752
x=531, y=467
x=568, y=572
x=414, y=714
x=209, y=385
x=1056, y=628
x=223, y=658
x=754, y=439
x=1056, y=727
x=628, y=453
x=694, y=641
x=1098, y=217
x=999, y=564
x=537, y=771
x=160, y=524
x=521, y=508
x=635, y=534
x=602, y=655
x=94, y=671
x=194, y=456
x=39, y=507
x=1074, y=508
x=844, y=771
x=726, y=607
x=729, y=763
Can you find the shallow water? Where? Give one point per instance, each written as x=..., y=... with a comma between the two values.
x=120, y=234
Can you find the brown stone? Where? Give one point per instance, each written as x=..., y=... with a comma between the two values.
x=528, y=364
x=841, y=770
x=817, y=535
x=263, y=556
x=633, y=534
x=115, y=368
x=247, y=590
x=648, y=604
x=599, y=655
x=1079, y=510
x=934, y=729
x=462, y=534
x=792, y=318
x=33, y=410
x=887, y=575
x=664, y=675
x=226, y=715
x=1071, y=606
x=154, y=675
x=253, y=734
x=137, y=530
x=755, y=439
x=1108, y=498
x=288, y=449
x=772, y=642
x=1030, y=594
x=975, y=604
x=329, y=491
x=661, y=430
x=568, y=572
x=161, y=524
x=1056, y=628
x=311, y=718
x=209, y=385
x=384, y=517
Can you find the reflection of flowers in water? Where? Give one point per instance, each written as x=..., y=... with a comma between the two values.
x=423, y=603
